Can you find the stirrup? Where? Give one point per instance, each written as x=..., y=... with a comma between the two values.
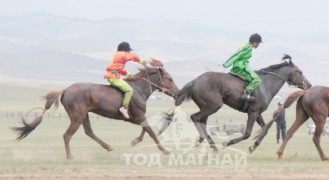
x=247, y=96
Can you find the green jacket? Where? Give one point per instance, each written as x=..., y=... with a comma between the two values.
x=241, y=58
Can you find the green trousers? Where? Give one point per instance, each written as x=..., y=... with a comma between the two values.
x=253, y=79
x=125, y=87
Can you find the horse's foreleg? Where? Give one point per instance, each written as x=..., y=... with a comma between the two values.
x=250, y=123
x=198, y=141
x=209, y=139
x=139, y=138
x=261, y=122
x=89, y=132
x=148, y=129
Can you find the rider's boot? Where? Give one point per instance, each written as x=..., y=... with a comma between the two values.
x=124, y=112
x=247, y=95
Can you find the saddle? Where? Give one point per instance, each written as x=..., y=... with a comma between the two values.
x=238, y=76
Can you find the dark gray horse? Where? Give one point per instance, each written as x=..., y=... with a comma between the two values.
x=211, y=90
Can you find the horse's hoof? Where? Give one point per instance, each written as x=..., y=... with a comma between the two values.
x=279, y=157
x=251, y=149
x=134, y=142
x=69, y=157
x=166, y=152
x=197, y=144
x=109, y=148
x=325, y=159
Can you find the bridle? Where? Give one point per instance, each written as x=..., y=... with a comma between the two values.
x=167, y=88
x=269, y=72
x=287, y=81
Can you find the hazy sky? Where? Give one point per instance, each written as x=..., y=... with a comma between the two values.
x=278, y=16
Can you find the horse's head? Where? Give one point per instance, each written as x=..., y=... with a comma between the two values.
x=296, y=76
x=288, y=72
x=162, y=79
x=167, y=85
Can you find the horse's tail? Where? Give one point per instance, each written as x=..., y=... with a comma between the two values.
x=180, y=97
x=184, y=94
x=27, y=128
x=290, y=99
x=167, y=119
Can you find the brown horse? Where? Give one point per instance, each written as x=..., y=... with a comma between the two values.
x=314, y=103
x=104, y=100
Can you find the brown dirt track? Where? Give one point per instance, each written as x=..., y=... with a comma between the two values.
x=179, y=173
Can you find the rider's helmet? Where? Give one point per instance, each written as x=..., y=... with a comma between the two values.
x=255, y=38
x=124, y=46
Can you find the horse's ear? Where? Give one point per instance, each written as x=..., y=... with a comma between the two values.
x=156, y=63
x=286, y=56
x=291, y=63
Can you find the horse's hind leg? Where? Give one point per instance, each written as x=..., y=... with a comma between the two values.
x=200, y=120
x=198, y=141
x=76, y=121
x=139, y=138
x=209, y=139
x=301, y=117
x=199, y=128
x=89, y=132
x=319, y=123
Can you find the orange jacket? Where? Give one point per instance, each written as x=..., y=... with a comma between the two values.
x=117, y=66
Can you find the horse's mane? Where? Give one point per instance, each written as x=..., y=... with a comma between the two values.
x=143, y=73
x=271, y=68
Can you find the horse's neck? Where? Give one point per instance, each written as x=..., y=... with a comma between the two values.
x=143, y=87
x=272, y=83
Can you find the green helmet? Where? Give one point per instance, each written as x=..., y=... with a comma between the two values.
x=255, y=38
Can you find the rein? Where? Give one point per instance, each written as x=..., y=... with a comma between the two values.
x=151, y=83
x=289, y=83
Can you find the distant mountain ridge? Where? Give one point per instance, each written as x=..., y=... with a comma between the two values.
x=47, y=46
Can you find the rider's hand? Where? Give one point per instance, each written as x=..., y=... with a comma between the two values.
x=128, y=75
x=222, y=67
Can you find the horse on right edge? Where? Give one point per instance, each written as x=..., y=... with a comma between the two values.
x=312, y=103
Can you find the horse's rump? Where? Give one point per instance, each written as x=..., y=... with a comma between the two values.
x=90, y=95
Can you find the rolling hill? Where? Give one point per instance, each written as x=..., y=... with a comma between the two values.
x=46, y=46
